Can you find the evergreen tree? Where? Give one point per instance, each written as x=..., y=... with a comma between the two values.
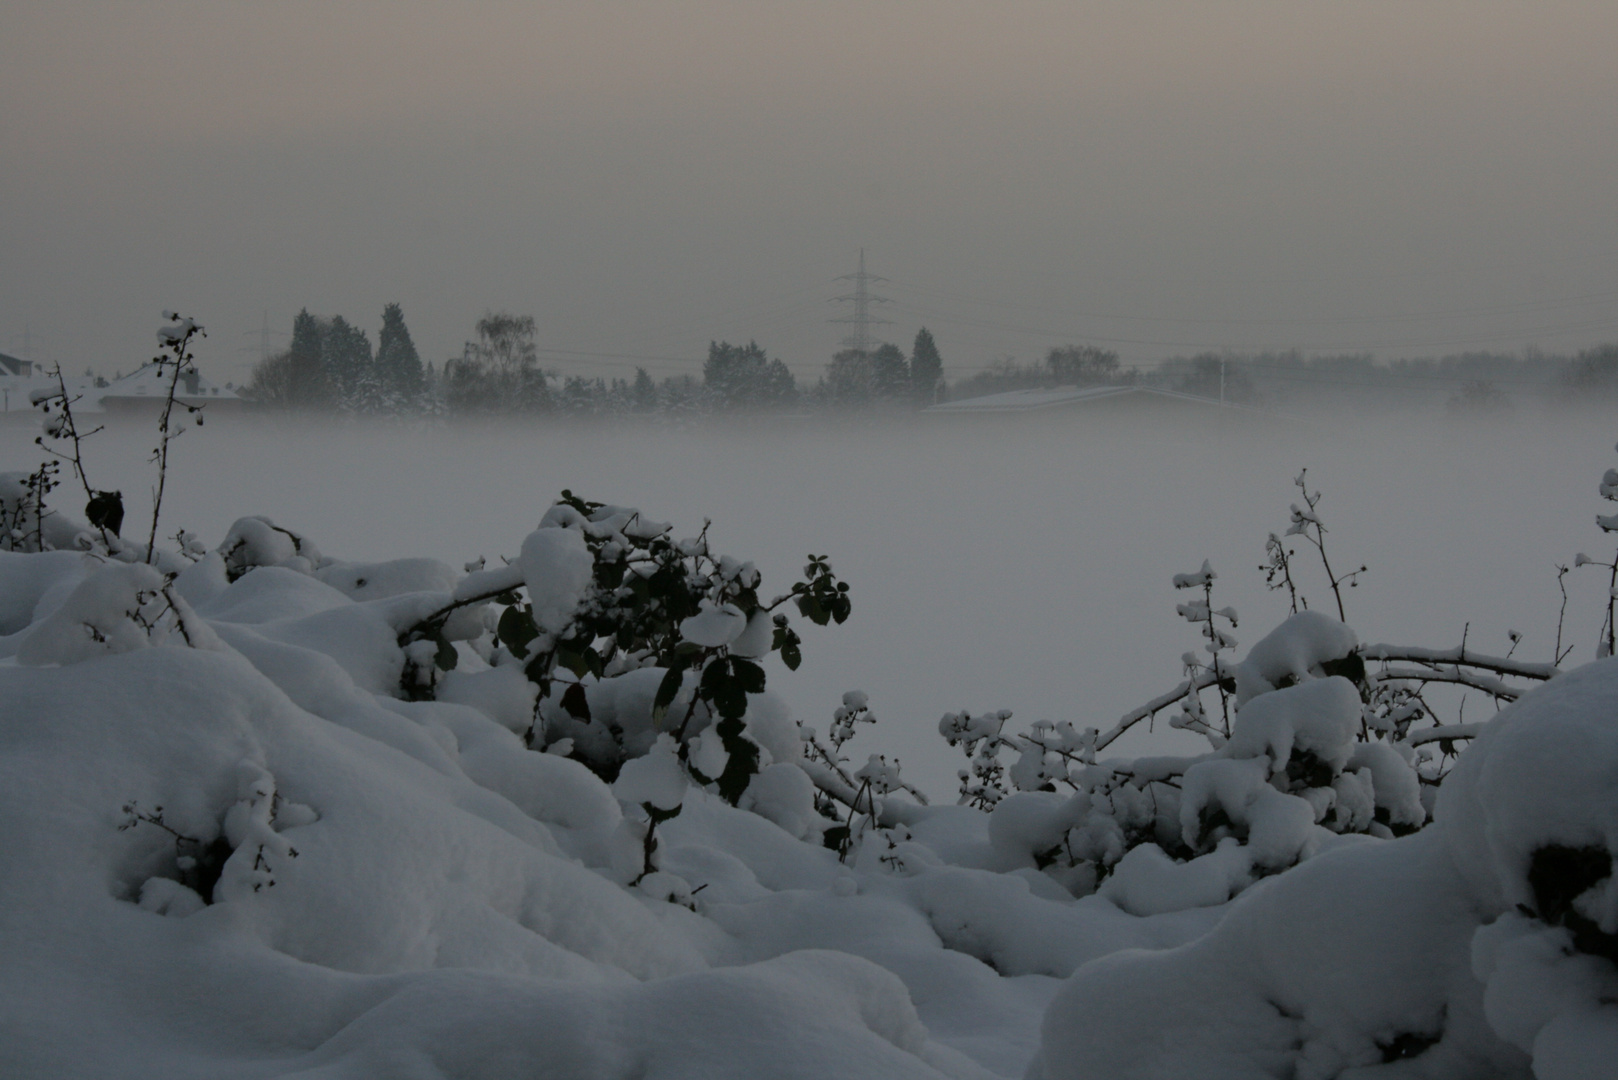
x=855, y=376
x=890, y=375
x=350, y=369
x=741, y=375
x=849, y=377
x=397, y=363
x=306, y=377
x=926, y=368
x=644, y=394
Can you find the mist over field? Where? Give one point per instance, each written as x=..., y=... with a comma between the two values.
x=996, y=562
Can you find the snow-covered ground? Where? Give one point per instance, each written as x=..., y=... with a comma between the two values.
x=235, y=849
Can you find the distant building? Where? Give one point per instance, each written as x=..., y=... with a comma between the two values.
x=20, y=380
x=145, y=389
x=140, y=391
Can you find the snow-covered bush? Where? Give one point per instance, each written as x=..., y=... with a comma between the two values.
x=628, y=636
x=1468, y=950
x=1314, y=737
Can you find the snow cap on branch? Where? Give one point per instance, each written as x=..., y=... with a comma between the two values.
x=558, y=568
x=1292, y=653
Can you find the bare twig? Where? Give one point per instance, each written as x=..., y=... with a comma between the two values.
x=177, y=339
x=1561, y=615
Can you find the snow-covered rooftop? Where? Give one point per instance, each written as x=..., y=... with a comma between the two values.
x=149, y=380
x=146, y=382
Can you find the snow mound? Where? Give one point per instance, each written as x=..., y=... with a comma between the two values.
x=1292, y=653
x=1484, y=946
x=238, y=843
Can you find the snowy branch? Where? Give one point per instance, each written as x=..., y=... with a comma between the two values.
x=1447, y=731
x=1521, y=669
x=1456, y=675
x=1199, y=682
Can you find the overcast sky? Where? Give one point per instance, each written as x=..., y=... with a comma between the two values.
x=1410, y=178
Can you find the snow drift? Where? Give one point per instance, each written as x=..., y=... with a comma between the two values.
x=234, y=848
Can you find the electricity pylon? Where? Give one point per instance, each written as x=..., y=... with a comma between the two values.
x=862, y=320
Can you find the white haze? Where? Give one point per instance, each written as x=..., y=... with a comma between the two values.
x=1021, y=565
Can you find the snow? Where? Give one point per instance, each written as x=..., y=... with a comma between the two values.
x=1318, y=718
x=655, y=778
x=502, y=694
x=556, y=568
x=714, y=625
x=236, y=847
x=1292, y=652
x=754, y=640
x=1441, y=937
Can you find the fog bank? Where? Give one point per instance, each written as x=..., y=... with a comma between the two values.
x=1009, y=564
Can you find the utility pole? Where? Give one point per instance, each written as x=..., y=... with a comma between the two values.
x=862, y=298
x=1221, y=380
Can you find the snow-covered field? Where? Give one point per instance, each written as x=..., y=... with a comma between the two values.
x=360, y=885
x=993, y=566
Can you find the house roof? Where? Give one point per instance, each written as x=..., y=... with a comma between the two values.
x=151, y=381
x=145, y=383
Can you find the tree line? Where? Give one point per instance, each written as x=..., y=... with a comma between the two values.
x=331, y=366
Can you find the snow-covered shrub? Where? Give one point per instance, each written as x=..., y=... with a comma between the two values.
x=117, y=608
x=629, y=637
x=1481, y=947
x=1314, y=736
x=257, y=541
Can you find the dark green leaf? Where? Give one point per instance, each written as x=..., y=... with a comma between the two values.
x=809, y=605
x=748, y=675
x=668, y=688
x=515, y=630
x=576, y=702
x=742, y=764
x=729, y=699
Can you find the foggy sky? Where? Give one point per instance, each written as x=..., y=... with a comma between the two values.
x=1410, y=178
